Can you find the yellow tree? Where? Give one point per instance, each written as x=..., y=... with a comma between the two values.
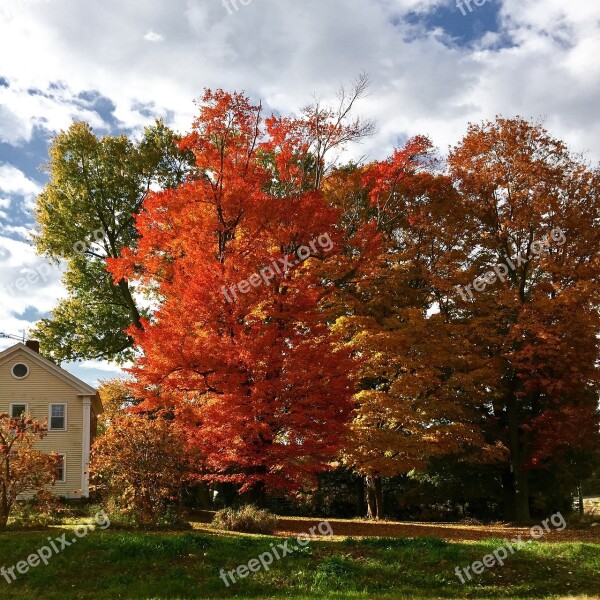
x=116, y=398
x=421, y=391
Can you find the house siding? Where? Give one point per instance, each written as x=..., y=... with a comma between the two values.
x=40, y=389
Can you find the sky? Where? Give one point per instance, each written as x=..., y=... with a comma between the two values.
x=435, y=66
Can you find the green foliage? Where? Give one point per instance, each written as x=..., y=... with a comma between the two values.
x=98, y=185
x=247, y=519
x=171, y=519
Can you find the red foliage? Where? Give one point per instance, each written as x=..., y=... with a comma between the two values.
x=257, y=384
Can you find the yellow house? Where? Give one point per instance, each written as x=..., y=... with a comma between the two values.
x=31, y=383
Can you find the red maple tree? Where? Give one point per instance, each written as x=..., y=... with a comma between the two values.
x=251, y=370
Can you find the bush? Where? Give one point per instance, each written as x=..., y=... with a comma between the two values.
x=247, y=519
x=140, y=465
x=171, y=519
x=41, y=511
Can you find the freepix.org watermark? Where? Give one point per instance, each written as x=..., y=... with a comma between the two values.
x=501, y=271
x=460, y=4
x=265, y=560
x=81, y=247
x=499, y=555
x=278, y=267
x=232, y=5
x=55, y=546
x=45, y=270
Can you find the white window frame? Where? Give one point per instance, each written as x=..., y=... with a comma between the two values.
x=20, y=378
x=10, y=408
x=50, y=428
x=64, y=457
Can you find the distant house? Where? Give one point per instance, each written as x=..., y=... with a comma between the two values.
x=30, y=383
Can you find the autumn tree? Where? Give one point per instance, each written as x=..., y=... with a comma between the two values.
x=23, y=470
x=116, y=398
x=532, y=207
x=140, y=463
x=303, y=150
x=85, y=216
x=493, y=359
x=419, y=391
x=250, y=370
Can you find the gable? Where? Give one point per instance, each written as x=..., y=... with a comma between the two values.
x=21, y=353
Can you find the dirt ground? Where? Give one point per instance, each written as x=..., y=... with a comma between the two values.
x=452, y=532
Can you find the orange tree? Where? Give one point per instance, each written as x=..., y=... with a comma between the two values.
x=140, y=464
x=452, y=362
x=419, y=390
x=241, y=259
x=23, y=470
x=528, y=302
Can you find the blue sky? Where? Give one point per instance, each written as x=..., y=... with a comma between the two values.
x=118, y=65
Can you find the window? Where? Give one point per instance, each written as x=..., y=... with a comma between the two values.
x=20, y=371
x=16, y=410
x=58, y=417
x=60, y=470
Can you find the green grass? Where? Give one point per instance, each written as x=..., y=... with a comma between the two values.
x=121, y=564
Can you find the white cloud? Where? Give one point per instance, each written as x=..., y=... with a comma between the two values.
x=97, y=365
x=14, y=181
x=28, y=104
x=27, y=284
x=22, y=189
x=152, y=36
x=282, y=52
x=27, y=281
x=544, y=61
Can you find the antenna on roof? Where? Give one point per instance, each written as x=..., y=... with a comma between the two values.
x=22, y=338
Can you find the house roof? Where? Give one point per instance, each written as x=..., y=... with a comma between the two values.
x=83, y=389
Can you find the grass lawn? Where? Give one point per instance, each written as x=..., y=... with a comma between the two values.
x=123, y=564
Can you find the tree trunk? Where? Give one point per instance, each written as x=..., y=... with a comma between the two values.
x=203, y=497
x=520, y=479
x=371, y=502
x=257, y=495
x=4, y=510
x=522, y=497
x=508, y=494
x=123, y=285
x=374, y=497
x=580, y=493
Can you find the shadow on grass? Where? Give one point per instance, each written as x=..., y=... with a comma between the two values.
x=120, y=564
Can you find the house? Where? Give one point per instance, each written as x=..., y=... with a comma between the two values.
x=33, y=384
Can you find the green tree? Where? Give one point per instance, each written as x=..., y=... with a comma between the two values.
x=86, y=216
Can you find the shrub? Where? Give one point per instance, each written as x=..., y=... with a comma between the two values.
x=247, y=519
x=40, y=511
x=140, y=465
x=171, y=519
